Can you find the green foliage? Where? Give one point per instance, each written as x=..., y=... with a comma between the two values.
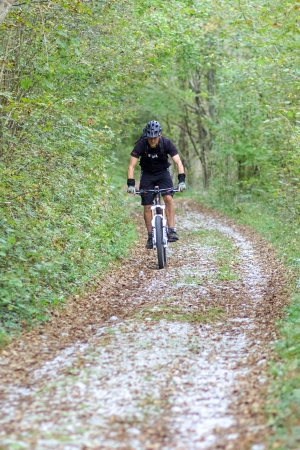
x=68, y=87
x=259, y=140
x=226, y=91
x=284, y=405
x=57, y=246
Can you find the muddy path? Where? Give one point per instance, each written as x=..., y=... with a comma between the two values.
x=154, y=359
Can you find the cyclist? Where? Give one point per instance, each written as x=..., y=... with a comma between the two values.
x=153, y=150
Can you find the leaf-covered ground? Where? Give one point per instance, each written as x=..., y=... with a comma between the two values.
x=154, y=359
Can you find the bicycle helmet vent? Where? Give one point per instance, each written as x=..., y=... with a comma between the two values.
x=153, y=129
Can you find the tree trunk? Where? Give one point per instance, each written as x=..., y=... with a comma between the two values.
x=211, y=90
x=183, y=148
x=5, y=6
x=204, y=135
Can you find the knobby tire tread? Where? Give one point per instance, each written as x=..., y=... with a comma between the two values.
x=159, y=242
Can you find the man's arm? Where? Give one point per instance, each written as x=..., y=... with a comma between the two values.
x=132, y=164
x=181, y=174
x=178, y=163
x=130, y=175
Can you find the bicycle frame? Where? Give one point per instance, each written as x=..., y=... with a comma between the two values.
x=159, y=223
x=158, y=209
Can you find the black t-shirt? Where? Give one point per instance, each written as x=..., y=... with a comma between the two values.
x=154, y=159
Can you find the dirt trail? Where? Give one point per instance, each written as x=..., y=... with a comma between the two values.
x=154, y=359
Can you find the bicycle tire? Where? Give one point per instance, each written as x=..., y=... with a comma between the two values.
x=165, y=248
x=159, y=242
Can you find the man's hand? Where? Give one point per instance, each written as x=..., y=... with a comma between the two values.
x=181, y=180
x=131, y=185
x=131, y=190
x=182, y=186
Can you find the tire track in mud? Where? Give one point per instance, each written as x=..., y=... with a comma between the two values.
x=153, y=372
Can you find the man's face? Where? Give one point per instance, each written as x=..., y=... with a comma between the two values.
x=153, y=142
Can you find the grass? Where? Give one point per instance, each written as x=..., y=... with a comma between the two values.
x=279, y=229
x=177, y=313
x=225, y=274
x=191, y=279
x=225, y=255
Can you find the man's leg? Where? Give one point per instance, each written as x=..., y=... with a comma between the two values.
x=146, y=182
x=170, y=210
x=165, y=182
x=148, y=217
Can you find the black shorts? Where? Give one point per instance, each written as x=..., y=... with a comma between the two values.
x=149, y=180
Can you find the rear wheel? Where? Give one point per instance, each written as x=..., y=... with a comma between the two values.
x=159, y=242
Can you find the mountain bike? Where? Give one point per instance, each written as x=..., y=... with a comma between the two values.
x=159, y=223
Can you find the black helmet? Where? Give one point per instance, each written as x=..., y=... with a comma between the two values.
x=153, y=129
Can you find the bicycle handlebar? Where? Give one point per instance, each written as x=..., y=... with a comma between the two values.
x=156, y=191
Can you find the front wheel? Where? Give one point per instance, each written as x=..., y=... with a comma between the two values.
x=159, y=242
x=165, y=239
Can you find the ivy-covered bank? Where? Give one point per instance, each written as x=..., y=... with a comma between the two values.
x=54, y=242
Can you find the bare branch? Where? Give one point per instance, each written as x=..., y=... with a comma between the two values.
x=5, y=57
